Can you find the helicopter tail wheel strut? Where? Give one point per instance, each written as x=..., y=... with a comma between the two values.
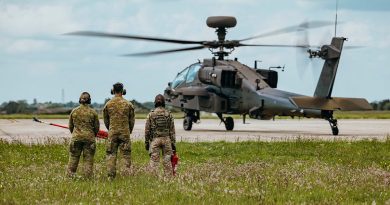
x=333, y=126
x=228, y=121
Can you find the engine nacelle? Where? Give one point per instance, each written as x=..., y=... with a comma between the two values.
x=271, y=77
x=221, y=76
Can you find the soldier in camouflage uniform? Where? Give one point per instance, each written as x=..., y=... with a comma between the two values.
x=160, y=136
x=84, y=125
x=118, y=116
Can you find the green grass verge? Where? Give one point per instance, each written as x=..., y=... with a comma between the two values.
x=210, y=173
x=362, y=115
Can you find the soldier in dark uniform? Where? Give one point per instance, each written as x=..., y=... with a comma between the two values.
x=160, y=136
x=118, y=116
x=84, y=125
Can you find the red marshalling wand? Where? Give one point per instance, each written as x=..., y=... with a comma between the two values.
x=101, y=134
x=174, y=161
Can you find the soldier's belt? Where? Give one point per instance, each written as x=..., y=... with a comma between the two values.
x=161, y=135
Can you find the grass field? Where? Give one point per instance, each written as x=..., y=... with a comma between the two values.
x=362, y=115
x=338, y=115
x=209, y=173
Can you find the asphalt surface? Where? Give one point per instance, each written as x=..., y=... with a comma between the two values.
x=29, y=132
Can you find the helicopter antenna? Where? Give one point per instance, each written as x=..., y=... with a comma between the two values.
x=335, y=23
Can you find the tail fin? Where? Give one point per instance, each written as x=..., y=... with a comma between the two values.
x=322, y=96
x=331, y=54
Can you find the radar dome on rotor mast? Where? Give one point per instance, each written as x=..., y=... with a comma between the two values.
x=221, y=21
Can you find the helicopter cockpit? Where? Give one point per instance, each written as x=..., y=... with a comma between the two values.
x=187, y=76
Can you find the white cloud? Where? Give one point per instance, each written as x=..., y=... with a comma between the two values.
x=358, y=33
x=180, y=25
x=43, y=68
x=28, y=20
x=225, y=2
x=27, y=45
x=384, y=43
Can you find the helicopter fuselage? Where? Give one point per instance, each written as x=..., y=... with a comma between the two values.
x=230, y=87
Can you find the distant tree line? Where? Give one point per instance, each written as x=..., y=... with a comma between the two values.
x=11, y=107
x=22, y=107
x=381, y=105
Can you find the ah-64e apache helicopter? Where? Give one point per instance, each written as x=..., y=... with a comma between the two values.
x=223, y=86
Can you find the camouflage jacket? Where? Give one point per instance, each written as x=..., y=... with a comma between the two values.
x=83, y=122
x=159, y=123
x=118, y=114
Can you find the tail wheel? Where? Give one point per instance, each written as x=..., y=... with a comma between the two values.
x=229, y=123
x=187, y=123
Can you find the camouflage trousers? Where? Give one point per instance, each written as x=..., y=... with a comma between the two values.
x=87, y=148
x=114, y=143
x=158, y=145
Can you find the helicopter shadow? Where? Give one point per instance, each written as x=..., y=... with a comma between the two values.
x=256, y=131
x=280, y=133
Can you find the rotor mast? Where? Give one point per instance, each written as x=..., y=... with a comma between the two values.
x=220, y=23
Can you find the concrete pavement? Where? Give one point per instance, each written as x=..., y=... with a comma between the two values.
x=29, y=132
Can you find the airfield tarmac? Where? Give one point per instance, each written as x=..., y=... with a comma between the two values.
x=209, y=130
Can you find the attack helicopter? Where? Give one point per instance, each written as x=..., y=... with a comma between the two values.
x=226, y=86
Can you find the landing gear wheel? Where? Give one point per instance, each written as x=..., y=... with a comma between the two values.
x=328, y=115
x=335, y=130
x=187, y=123
x=229, y=123
x=333, y=126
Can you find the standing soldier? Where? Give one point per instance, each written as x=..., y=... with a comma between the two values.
x=118, y=116
x=84, y=125
x=160, y=136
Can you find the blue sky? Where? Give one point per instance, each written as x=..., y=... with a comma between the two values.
x=36, y=61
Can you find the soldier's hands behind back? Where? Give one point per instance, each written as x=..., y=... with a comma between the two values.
x=147, y=146
x=173, y=147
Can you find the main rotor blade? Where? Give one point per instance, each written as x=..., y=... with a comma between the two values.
x=275, y=45
x=289, y=29
x=132, y=37
x=165, y=51
x=344, y=47
x=353, y=47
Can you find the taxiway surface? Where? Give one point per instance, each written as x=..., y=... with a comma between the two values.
x=27, y=131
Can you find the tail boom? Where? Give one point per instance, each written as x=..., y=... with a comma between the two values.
x=335, y=103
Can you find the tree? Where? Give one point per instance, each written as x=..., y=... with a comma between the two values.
x=12, y=107
x=381, y=105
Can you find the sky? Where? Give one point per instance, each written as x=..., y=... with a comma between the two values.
x=37, y=61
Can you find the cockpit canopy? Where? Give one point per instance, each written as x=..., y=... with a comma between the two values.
x=186, y=76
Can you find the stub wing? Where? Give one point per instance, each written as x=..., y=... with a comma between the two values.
x=334, y=103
